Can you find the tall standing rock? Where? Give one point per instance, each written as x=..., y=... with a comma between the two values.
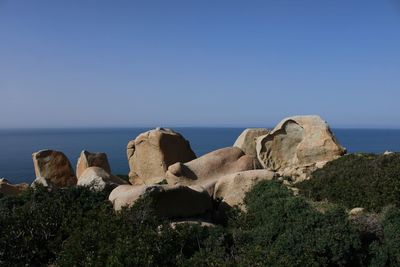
x=152, y=152
x=297, y=146
x=52, y=168
x=247, y=140
x=88, y=159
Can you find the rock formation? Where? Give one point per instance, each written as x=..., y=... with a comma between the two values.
x=297, y=146
x=168, y=201
x=8, y=189
x=247, y=140
x=210, y=167
x=152, y=152
x=52, y=168
x=232, y=188
x=98, y=179
x=88, y=159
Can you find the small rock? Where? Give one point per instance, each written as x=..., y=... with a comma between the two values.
x=356, y=211
x=98, y=179
x=8, y=189
x=199, y=223
x=88, y=159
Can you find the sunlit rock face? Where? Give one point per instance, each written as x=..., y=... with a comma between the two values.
x=210, y=167
x=52, y=168
x=88, y=159
x=247, y=140
x=152, y=152
x=297, y=146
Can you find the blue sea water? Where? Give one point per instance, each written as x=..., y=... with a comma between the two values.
x=17, y=146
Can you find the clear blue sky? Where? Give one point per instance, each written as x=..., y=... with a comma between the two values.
x=198, y=63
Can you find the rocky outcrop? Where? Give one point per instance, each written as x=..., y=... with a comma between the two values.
x=53, y=169
x=168, y=201
x=98, y=179
x=231, y=189
x=8, y=189
x=298, y=146
x=210, y=167
x=88, y=159
x=152, y=152
x=247, y=140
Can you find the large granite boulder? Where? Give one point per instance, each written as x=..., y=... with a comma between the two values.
x=53, y=169
x=8, y=189
x=98, y=179
x=210, y=167
x=232, y=188
x=247, y=140
x=168, y=201
x=88, y=159
x=152, y=152
x=297, y=146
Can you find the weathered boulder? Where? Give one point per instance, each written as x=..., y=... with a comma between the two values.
x=52, y=168
x=208, y=168
x=152, y=152
x=88, y=159
x=298, y=146
x=8, y=189
x=232, y=188
x=98, y=179
x=168, y=201
x=247, y=140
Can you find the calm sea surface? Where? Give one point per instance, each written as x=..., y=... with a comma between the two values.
x=17, y=146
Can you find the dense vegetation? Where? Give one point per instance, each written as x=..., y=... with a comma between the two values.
x=357, y=180
x=77, y=227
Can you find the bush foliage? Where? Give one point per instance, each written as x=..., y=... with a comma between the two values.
x=78, y=227
x=357, y=180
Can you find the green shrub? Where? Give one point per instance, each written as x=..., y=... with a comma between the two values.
x=357, y=180
x=34, y=225
x=386, y=252
x=282, y=230
x=78, y=227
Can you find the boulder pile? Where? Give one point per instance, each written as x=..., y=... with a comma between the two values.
x=165, y=170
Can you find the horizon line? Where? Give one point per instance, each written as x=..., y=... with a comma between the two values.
x=181, y=126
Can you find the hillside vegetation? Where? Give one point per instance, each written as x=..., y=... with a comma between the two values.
x=357, y=180
x=78, y=227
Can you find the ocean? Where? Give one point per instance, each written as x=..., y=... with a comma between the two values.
x=17, y=146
